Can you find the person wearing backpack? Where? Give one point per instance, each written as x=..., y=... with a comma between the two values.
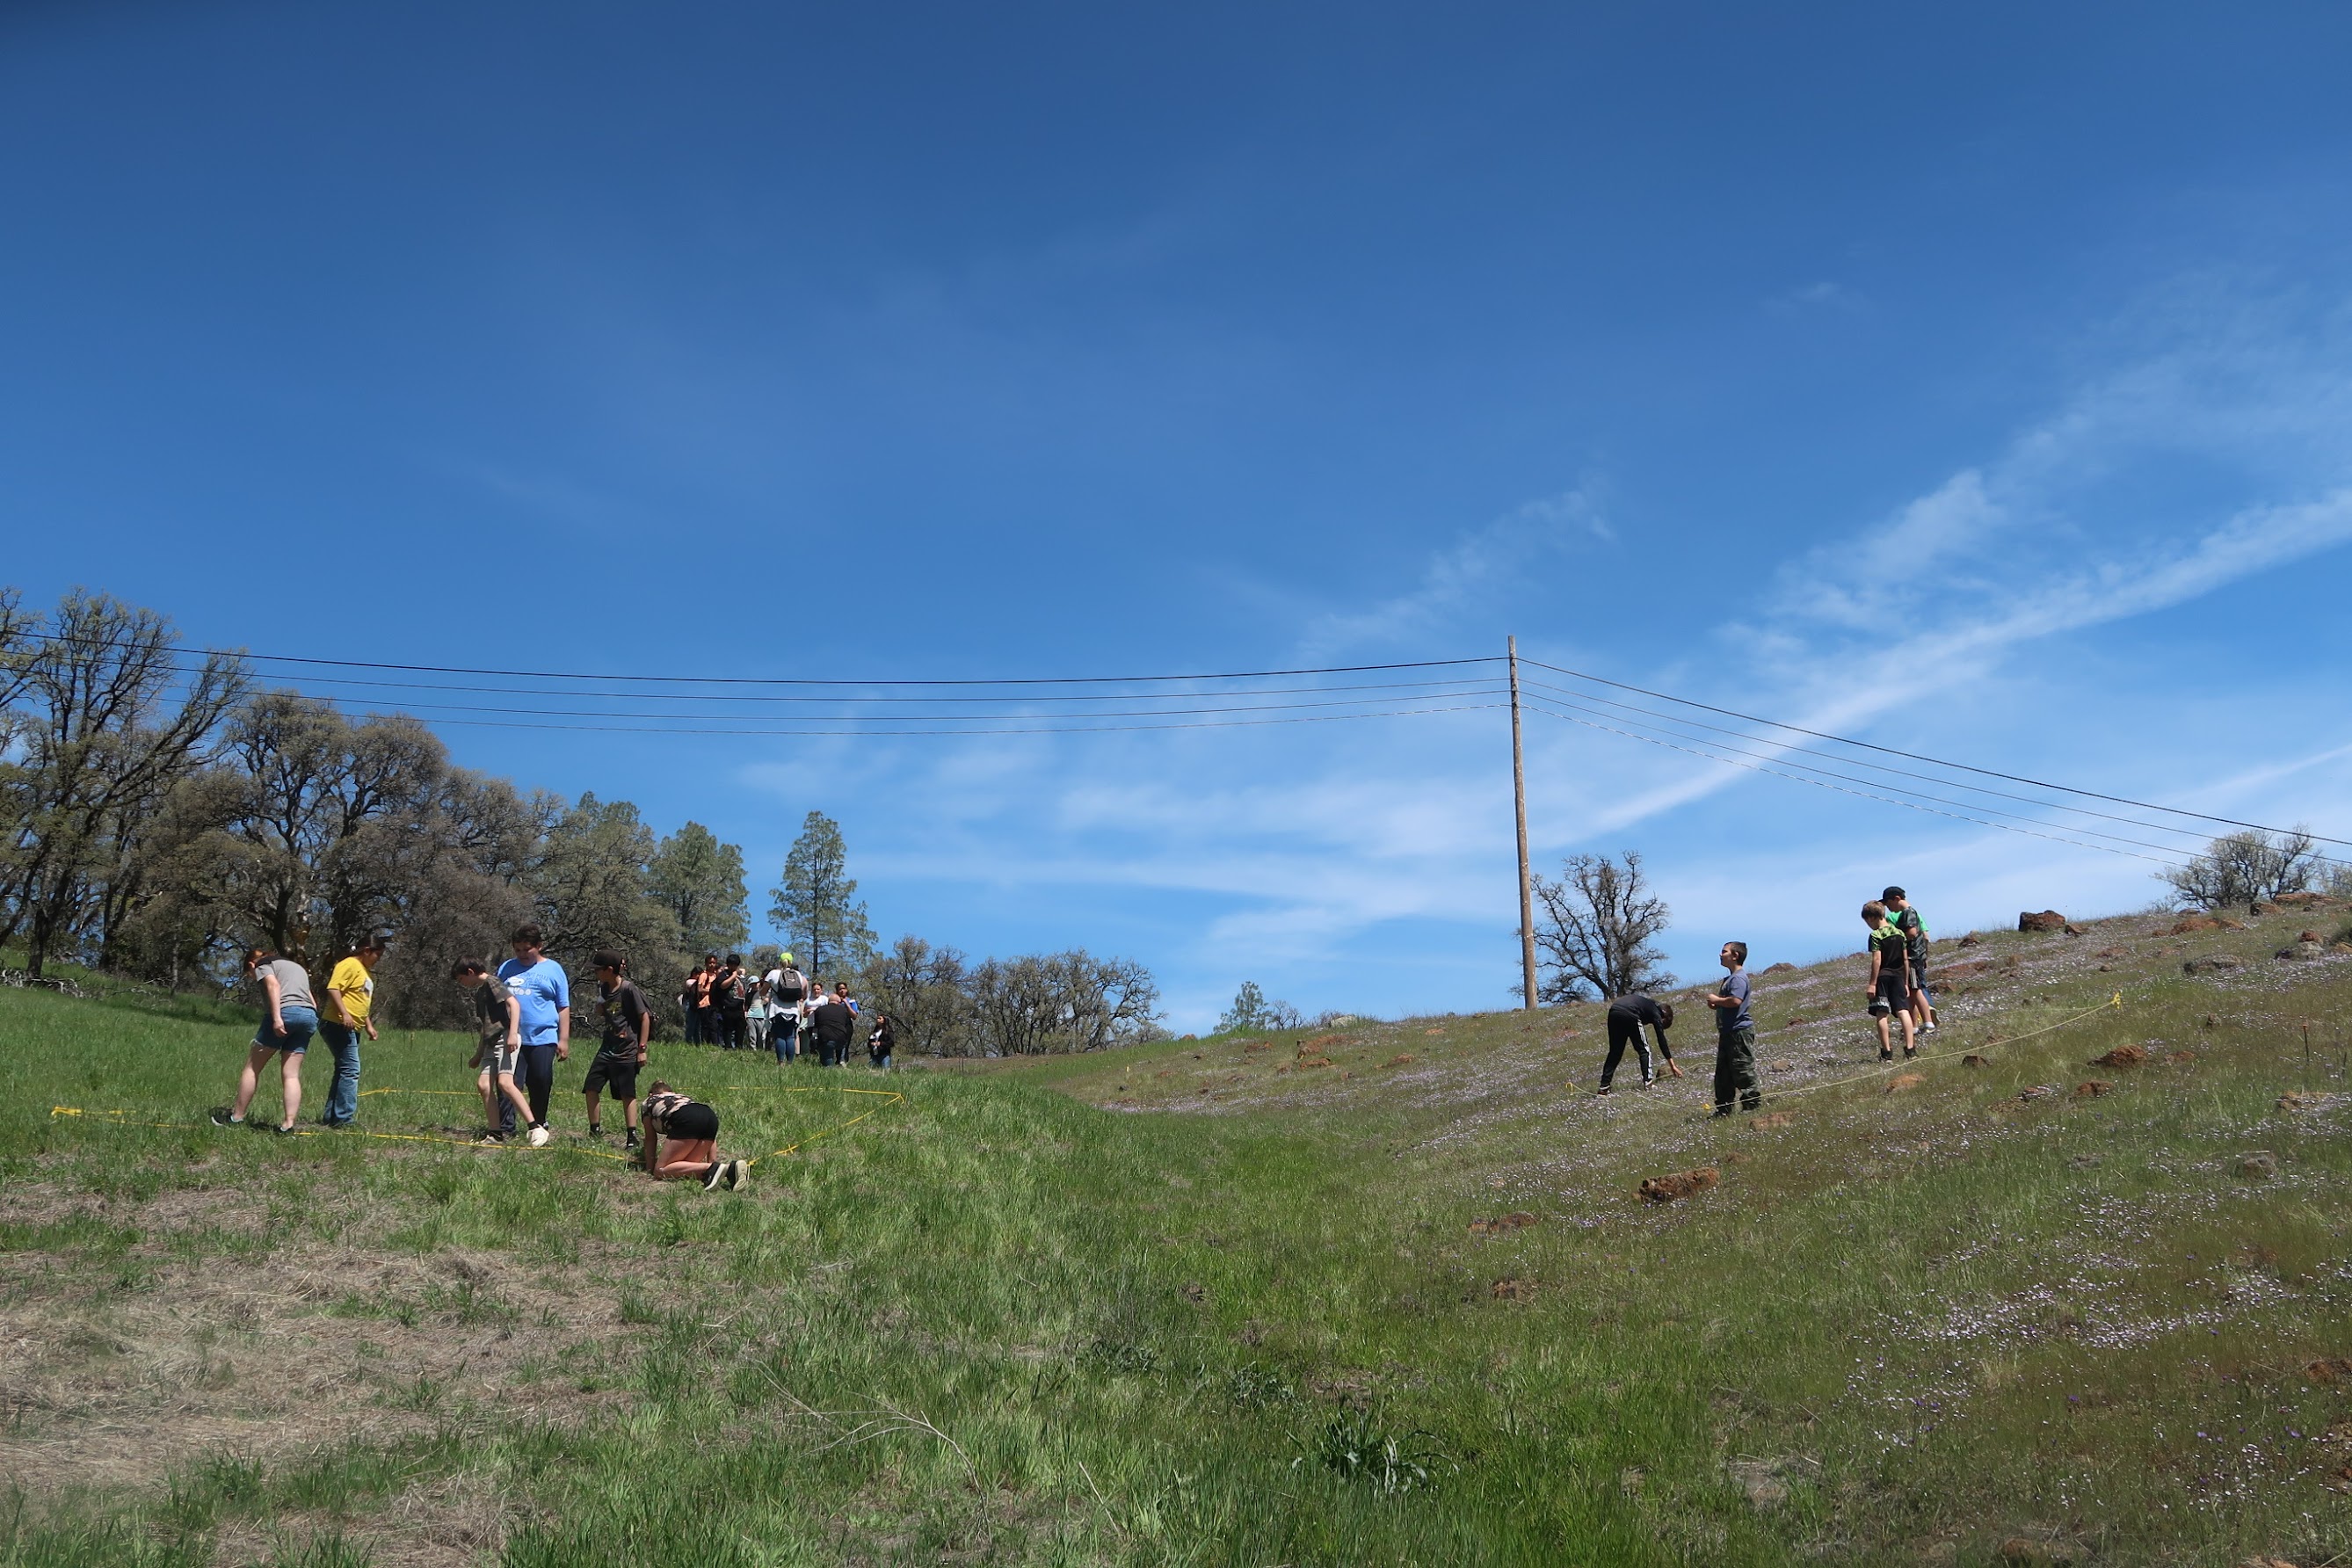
x=787, y=987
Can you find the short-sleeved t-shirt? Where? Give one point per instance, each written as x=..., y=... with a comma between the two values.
x=354, y=987
x=1893, y=950
x=1640, y=1007
x=1915, y=932
x=1730, y=1020
x=490, y=1010
x=622, y=1014
x=293, y=983
x=541, y=990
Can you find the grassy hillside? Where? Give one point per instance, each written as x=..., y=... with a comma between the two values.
x=1211, y=1302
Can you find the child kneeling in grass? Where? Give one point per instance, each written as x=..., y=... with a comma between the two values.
x=682, y=1142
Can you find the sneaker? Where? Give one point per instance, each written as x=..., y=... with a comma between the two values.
x=1647, y=1083
x=1605, y=1089
x=738, y=1175
x=1886, y=1053
x=1910, y=1051
x=538, y=1135
x=491, y=1139
x=594, y=1130
x=224, y=1117
x=711, y=1178
x=633, y=1142
x=1928, y=1027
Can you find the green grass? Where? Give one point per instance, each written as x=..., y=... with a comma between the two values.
x=1199, y=1303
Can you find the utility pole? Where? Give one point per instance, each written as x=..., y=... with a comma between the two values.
x=1520, y=804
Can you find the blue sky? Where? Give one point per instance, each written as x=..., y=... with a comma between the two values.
x=1978, y=384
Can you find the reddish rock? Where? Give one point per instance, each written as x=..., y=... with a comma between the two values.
x=2303, y=901
x=1779, y=969
x=1974, y=1060
x=1908, y=1080
x=1681, y=1184
x=2122, y=1057
x=2091, y=1089
x=2329, y=1369
x=1403, y=1058
x=2048, y=920
x=1971, y=940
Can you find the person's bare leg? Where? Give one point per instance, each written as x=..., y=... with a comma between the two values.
x=513, y=1091
x=1886, y=1040
x=629, y=1115
x=489, y=1084
x=290, y=1078
x=589, y=1096
x=685, y=1158
x=1910, y=1041
x=249, y=1079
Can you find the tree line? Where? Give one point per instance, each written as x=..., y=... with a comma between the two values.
x=161, y=811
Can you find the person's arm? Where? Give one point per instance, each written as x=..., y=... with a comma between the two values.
x=514, y=1023
x=1871, y=988
x=564, y=1033
x=270, y=994
x=644, y=1026
x=335, y=1002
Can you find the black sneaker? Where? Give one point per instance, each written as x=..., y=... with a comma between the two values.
x=633, y=1142
x=224, y=1117
x=1605, y=1089
x=491, y=1139
x=594, y=1130
x=1910, y=1051
x=713, y=1176
x=1885, y=1054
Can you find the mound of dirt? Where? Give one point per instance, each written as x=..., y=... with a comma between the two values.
x=2048, y=920
x=1681, y=1185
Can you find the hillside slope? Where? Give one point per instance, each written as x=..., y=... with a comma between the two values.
x=1208, y=1302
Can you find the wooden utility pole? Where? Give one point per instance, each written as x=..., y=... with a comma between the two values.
x=1520, y=804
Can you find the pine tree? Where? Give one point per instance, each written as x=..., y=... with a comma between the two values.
x=818, y=907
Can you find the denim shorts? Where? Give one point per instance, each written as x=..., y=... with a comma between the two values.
x=300, y=1023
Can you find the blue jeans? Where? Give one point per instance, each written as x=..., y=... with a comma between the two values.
x=785, y=1034
x=344, y=1094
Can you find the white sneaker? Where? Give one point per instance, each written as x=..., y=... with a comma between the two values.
x=539, y=1136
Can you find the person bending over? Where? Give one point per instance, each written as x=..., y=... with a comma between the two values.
x=288, y=1019
x=682, y=1143
x=834, y=1020
x=498, y=1025
x=626, y=1020
x=1626, y=1016
x=1890, y=981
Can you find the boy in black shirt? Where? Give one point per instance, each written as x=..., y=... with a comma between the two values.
x=1890, y=981
x=1905, y=919
x=626, y=1020
x=1626, y=1016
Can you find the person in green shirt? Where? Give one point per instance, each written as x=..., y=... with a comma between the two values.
x=1905, y=919
x=1890, y=981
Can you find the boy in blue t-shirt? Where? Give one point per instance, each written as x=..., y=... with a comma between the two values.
x=1735, y=1034
x=542, y=994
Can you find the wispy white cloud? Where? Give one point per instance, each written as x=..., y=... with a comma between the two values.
x=1466, y=574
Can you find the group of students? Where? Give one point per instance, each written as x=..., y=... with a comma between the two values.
x=728, y=1006
x=523, y=1027
x=1897, y=990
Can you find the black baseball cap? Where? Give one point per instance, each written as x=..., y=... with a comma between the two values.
x=1894, y=893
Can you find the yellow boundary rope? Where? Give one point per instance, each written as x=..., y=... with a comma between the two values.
x=890, y=1097
x=1883, y=1069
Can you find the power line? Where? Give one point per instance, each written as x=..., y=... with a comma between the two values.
x=1576, y=699
x=2179, y=857
x=930, y=718
x=1042, y=730
x=1919, y=757
x=779, y=680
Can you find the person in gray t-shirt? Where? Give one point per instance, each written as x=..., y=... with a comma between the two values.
x=289, y=1017
x=1735, y=1034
